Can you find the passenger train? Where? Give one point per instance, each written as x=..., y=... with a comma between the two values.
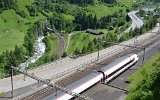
x=104, y=75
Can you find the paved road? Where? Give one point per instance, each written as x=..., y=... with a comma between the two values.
x=115, y=89
x=136, y=21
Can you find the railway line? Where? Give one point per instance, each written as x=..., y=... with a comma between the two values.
x=62, y=42
x=74, y=77
x=62, y=45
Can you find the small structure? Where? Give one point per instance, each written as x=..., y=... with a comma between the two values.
x=156, y=16
x=95, y=32
x=63, y=32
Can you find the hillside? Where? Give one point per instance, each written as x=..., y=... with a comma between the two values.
x=22, y=21
x=22, y=16
x=13, y=27
x=10, y=30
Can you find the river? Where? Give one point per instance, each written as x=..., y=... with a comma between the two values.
x=40, y=48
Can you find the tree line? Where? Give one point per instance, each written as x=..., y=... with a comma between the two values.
x=59, y=23
x=153, y=1
x=84, y=2
x=85, y=21
x=7, y=4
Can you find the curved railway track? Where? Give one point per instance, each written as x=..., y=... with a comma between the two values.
x=62, y=41
x=62, y=45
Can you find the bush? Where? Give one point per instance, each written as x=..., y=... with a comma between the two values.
x=22, y=14
x=54, y=57
x=64, y=54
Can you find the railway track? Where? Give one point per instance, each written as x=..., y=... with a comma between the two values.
x=62, y=43
x=79, y=74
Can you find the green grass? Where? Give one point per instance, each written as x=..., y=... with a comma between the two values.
x=81, y=39
x=21, y=5
x=78, y=40
x=13, y=28
x=53, y=39
x=2, y=94
x=68, y=17
x=65, y=36
x=9, y=38
x=127, y=3
x=103, y=10
x=158, y=19
x=11, y=32
x=10, y=19
x=138, y=76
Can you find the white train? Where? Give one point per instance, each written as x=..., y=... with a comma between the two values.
x=105, y=74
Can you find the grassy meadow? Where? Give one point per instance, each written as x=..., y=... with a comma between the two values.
x=78, y=40
x=11, y=32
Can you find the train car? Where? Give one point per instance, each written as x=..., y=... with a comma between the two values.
x=105, y=74
x=118, y=66
x=77, y=87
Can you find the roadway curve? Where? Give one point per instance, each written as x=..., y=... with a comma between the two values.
x=136, y=21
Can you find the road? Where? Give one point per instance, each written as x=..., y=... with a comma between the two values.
x=136, y=21
x=69, y=38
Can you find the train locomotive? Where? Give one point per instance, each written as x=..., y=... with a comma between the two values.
x=103, y=75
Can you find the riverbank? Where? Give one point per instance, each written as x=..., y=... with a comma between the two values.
x=40, y=48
